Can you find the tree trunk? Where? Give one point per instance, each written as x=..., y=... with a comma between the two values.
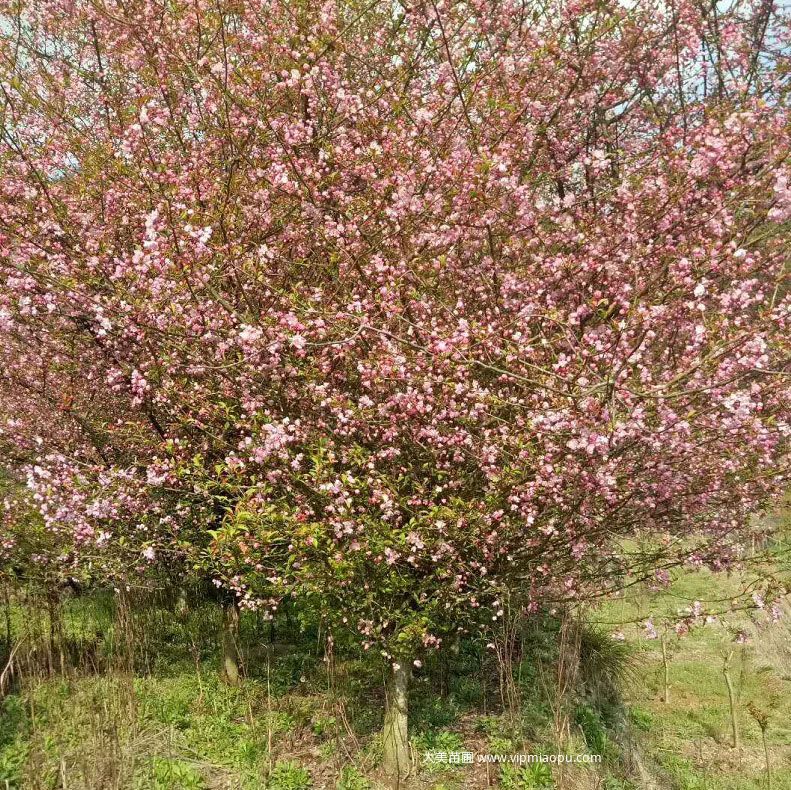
x=230, y=643
x=396, y=760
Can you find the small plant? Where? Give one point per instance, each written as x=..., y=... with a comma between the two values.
x=12, y=761
x=280, y=722
x=683, y=774
x=489, y=725
x=762, y=719
x=13, y=748
x=439, y=742
x=435, y=712
x=352, y=779
x=589, y=721
x=605, y=663
x=500, y=744
x=324, y=725
x=174, y=775
x=641, y=719
x=533, y=776
x=300, y=710
x=289, y=775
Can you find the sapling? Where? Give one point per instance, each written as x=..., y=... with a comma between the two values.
x=732, y=703
x=762, y=719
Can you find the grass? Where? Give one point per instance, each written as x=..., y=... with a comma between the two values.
x=687, y=741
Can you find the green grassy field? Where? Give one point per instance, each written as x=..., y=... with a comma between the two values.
x=689, y=738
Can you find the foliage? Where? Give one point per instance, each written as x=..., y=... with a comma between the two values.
x=172, y=774
x=14, y=747
x=640, y=718
x=533, y=776
x=352, y=779
x=606, y=664
x=289, y=775
x=589, y=721
x=683, y=775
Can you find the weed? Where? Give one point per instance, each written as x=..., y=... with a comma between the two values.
x=533, y=776
x=438, y=742
x=352, y=779
x=167, y=774
x=593, y=730
x=289, y=775
x=640, y=718
x=324, y=726
x=13, y=757
x=683, y=775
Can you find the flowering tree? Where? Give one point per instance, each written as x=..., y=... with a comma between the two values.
x=403, y=307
